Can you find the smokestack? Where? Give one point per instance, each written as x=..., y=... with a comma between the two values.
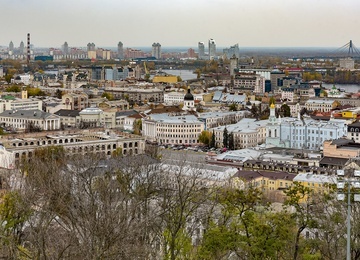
x=28, y=48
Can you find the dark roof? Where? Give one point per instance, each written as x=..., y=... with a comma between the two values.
x=36, y=114
x=356, y=124
x=250, y=175
x=67, y=112
x=188, y=95
x=333, y=161
x=126, y=113
x=342, y=141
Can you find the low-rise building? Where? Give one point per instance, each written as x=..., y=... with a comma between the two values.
x=321, y=105
x=75, y=101
x=215, y=119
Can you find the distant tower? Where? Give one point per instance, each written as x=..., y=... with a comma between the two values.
x=22, y=47
x=201, y=47
x=11, y=46
x=212, y=49
x=156, y=50
x=120, y=50
x=233, y=65
x=66, y=48
x=28, y=48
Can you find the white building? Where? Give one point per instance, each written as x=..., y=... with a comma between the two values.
x=215, y=119
x=321, y=105
x=12, y=103
x=248, y=132
x=20, y=120
x=304, y=133
x=167, y=129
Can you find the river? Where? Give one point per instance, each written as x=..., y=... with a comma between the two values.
x=347, y=87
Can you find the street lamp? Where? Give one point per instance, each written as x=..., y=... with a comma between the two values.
x=351, y=180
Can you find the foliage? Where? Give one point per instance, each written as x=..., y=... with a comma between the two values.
x=212, y=143
x=58, y=93
x=32, y=92
x=205, y=137
x=137, y=125
x=225, y=138
x=233, y=107
x=13, y=88
x=108, y=96
x=285, y=110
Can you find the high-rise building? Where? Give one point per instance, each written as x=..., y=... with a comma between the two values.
x=233, y=50
x=120, y=50
x=201, y=47
x=66, y=48
x=156, y=50
x=191, y=53
x=11, y=46
x=21, y=47
x=91, y=46
x=212, y=49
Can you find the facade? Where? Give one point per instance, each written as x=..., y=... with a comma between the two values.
x=212, y=49
x=74, y=101
x=346, y=64
x=320, y=105
x=353, y=132
x=68, y=117
x=138, y=94
x=341, y=148
x=156, y=50
x=11, y=103
x=249, y=81
x=21, y=120
x=215, y=119
x=248, y=132
x=120, y=51
x=201, y=49
x=276, y=77
x=303, y=133
x=167, y=129
x=232, y=51
x=81, y=142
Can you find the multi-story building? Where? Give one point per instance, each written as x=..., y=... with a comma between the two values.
x=215, y=119
x=81, y=142
x=232, y=51
x=74, y=101
x=346, y=64
x=156, y=50
x=320, y=105
x=248, y=132
x=22, y=120
x=120, y=51
x=12, y=103
x=137, y=94
x=249, y=81
x=167, y=129
x=353, y=132
x=212, y=49
x=201, y=49
x=276, y=77
x=303, y=133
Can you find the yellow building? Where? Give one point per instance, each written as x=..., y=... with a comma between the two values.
x=271, y=183
x=165, y=79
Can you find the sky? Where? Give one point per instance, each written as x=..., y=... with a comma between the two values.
x=173, y=23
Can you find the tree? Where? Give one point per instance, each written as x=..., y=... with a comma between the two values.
x=285, y=110
x=205, y=137
x=137, y=126
x=58, y=93
x=233, y=107
x=299, y=197
x=108, y=96
x=213, y=142
x=231, y=141
x=225, y=138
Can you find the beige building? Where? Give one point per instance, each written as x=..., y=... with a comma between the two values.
x=320, y=105
x=166, y=129
x=341, y=148
x=22, y=120
x=74, y=101
x=137, y=94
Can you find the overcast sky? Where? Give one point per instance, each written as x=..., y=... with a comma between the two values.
x=250, y=23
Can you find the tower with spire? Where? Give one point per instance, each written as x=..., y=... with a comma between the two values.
x=189, y=103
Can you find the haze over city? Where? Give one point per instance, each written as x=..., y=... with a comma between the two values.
x=259, y=23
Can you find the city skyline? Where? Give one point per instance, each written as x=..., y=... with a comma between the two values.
x=257, y=23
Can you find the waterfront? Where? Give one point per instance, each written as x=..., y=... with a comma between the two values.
x=349, y=88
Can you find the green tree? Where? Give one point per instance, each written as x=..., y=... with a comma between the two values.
x=285, y=110
x=58, y=93
x=13, y=88
x=205, y=137
x=300, y=198
x=213, y=142
x=137, y=126
x=225, y=138
x=231, y=141
x=233, y=107
x=108, y=96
